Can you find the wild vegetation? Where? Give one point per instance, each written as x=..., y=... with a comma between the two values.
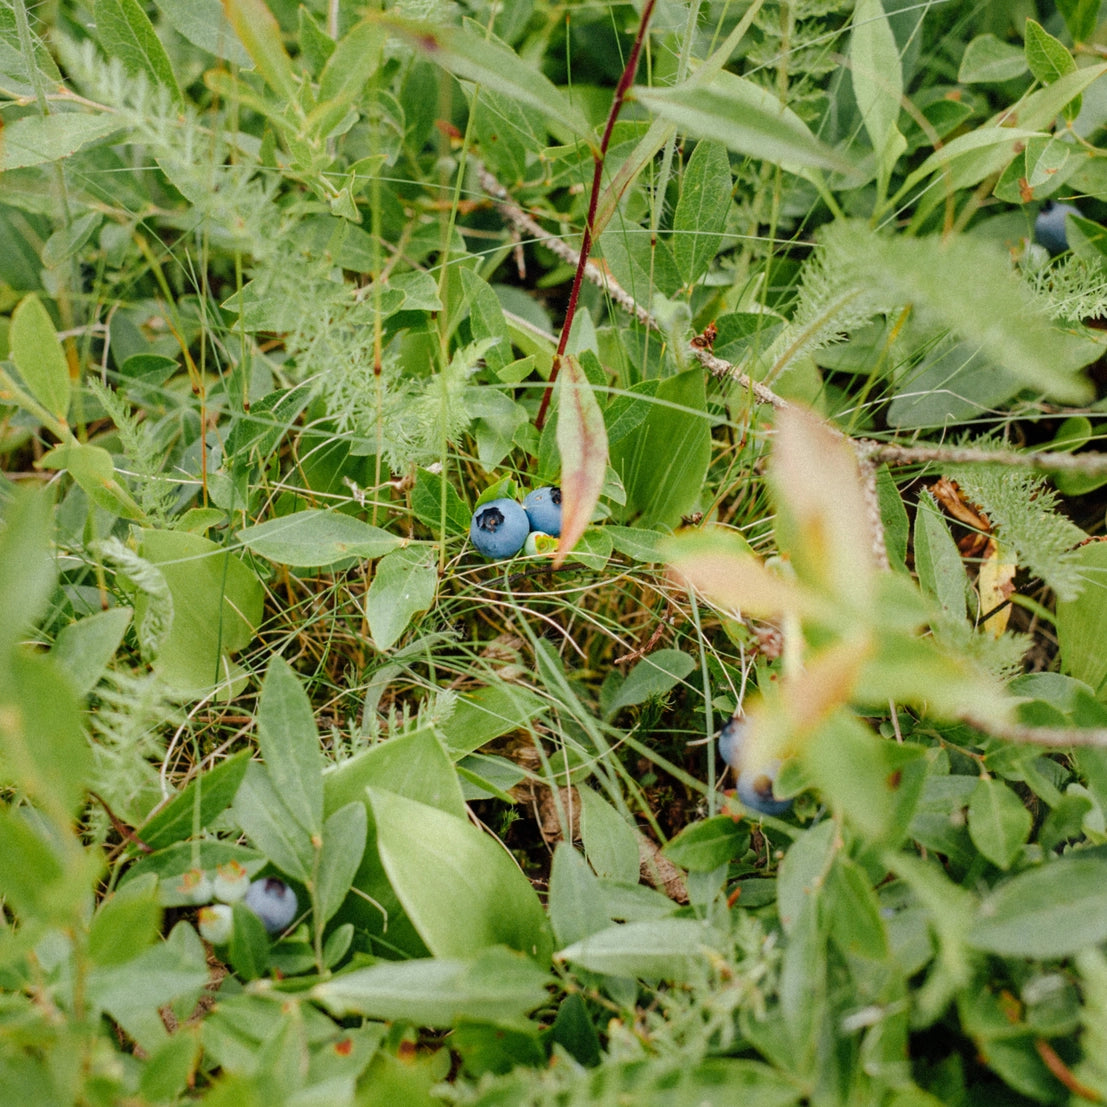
x=344, y=761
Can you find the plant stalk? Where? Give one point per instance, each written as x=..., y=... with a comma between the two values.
x=617, y=101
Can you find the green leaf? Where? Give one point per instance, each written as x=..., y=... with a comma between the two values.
x=746, y=118
x=126, y=922
x=343, y=846
x=989, y=60
x=669, y=949
x=354, y=60
x=969, y=158
x=460, y=888
x=655, y=675
x=33, y=879
x=877, y=76
x=663, y=462
x=1049, y=60
x=1052, y=911
x=248, y=949
x=576, y=898
x=27, y=567
x=126, y=33
x=872, y=783
x=260, y=810
x=38, y=354
x=84, y=648
x=489, y=713
x=702, y=846
x=582, y=443
x=413, y=765
x=490, y=64
x=217, y=606
x=259, y=31
x=289, y=744
x=36, y=139
x=313, y=538
x=966, y=286
x=204, y=24
x=637, y=543
x=494, y=985
x=404, y=584
x=999, y=823
x=134, y=991
x=803, y=870
x=701, y=211
x=938, y=561
x=1081, y=618
x=93, y=469
x=427, y=503
x=1047, y=56
x=609, y=841
x=1080, y=16
x=193, y=809
x=44, y=751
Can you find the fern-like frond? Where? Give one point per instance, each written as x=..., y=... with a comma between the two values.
x=1072, y=288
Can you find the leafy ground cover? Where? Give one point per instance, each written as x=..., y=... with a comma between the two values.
x=799, y=305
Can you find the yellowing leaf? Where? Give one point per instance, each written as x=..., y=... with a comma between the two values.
x=823, y=521
x=722, y=566
x=995, y=585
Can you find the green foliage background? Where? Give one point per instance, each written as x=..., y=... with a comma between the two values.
x=285, y=291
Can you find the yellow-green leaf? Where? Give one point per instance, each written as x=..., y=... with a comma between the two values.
x=39, y=357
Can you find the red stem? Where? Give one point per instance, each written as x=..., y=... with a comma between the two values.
x=621, y=90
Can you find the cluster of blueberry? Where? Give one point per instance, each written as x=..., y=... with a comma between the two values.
x=273, y=901
x=501, y=528
x=754, y=787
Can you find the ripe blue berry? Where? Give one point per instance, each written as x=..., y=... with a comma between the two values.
x=273, y=901
x=1049, y=226
x=754, y=787
x=499, y=528
x=543, y=508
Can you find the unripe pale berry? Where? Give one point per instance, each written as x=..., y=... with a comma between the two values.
x=216, y=923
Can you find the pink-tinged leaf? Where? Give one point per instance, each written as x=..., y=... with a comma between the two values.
x=823, y=522
x=582, y=443
x=720, y=564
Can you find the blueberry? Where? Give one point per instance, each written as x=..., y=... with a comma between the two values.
x=1049, y=226
x=754, y=786
x=543, y=508
x=499, y=528
x=273, y=901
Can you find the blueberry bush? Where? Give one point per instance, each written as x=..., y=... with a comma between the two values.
x=551, y=553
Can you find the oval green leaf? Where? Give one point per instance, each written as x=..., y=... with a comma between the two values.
x=313, y=538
